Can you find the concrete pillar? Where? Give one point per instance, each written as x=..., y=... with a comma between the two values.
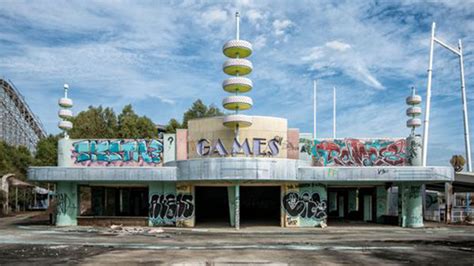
x=237, y=207
x=414, y=150
x=67, y=203
x=411, y=205
x=448, y=196
x=156, y=190
x=64, y=152
x=381, y=203
x=231, y=200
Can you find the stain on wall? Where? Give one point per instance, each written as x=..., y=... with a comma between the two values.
x=358, y=152
x=117, y=152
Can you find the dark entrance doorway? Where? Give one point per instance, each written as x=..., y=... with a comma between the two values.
x=351, y=205
x=260, y=205
x=212, y=206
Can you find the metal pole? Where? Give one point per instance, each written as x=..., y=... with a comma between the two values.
x=237, y=26
x=333, y=112
x=464, y=110
x=426, y=123
x=314, y=109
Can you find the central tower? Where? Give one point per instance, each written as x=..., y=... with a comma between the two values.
x=237, y=66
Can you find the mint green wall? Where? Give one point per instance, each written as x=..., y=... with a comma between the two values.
x=67, y=203
x=160, y=188
x=381, y=203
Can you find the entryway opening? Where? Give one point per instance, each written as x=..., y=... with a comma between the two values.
x=351, y=205
x=212, y=206
x=260, y=205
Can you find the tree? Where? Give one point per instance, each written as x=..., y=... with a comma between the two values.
x=131, y=126
x=96, y=122
x=47, y=151
x=458, y=162
x=172, y=125
x=200, y=110
x=15, y=160
x=197, y=110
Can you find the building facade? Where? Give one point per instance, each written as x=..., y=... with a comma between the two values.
x=269, y=176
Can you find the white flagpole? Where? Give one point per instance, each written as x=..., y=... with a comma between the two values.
x=314, y=109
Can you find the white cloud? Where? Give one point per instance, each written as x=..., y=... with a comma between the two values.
x=259, y=42
x=214, y=16
x=335, y=55
x=337, y=45
x=280, y=26
x=254, y=16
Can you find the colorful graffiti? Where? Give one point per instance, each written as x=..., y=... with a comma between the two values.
x=117, y=152
x=305, y=205
x=356, y=152
x=166, y=209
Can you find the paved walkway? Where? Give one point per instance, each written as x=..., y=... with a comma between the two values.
x=25, y=239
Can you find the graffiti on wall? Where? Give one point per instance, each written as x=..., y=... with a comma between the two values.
x=356, y=152
x=117, y=152
x=167, y=208
x=64, y=202
x=305, y=205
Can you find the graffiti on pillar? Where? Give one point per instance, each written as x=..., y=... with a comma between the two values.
x=117, y=152
x=167, y=208
x=305, y=205
x=357, y=152
x=64, y=202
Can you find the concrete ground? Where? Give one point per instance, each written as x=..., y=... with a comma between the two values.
x=25, y=239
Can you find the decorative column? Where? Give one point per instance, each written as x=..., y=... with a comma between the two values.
x=410, y=194
x=67, y=204
x=65, y=113
x=237, y=50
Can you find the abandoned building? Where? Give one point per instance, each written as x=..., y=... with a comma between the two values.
x=237, y=170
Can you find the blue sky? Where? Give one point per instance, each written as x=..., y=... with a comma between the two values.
x=162, y=55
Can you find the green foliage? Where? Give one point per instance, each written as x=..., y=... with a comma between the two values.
x=96, y=122
x=172, y=125
x=131, y=126
x=103, y=123
x=197, y=110
x=15, y=160
x=47, y=151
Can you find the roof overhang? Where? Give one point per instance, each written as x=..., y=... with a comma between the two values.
x=247, y=169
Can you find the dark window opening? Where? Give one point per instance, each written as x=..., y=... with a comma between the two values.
x=212, y=205
x=113, y=201
x=260, y=205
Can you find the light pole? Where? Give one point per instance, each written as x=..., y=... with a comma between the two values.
x=459, y=53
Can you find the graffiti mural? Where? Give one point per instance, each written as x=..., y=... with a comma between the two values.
x=356, y=152
x=117, y=152
x=305, y=205
x=167, y=208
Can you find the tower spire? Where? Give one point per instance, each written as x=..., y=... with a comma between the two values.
x=237, y=66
